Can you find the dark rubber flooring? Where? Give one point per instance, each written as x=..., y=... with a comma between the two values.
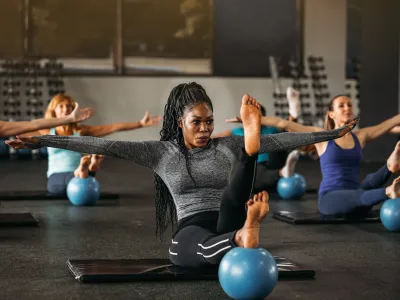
x=359, y=261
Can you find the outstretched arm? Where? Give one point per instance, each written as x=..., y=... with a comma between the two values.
x=291, y=140
x=146, y=153
x=15, y=128
x=368, y=134
x=103, y=130
x=282, y=124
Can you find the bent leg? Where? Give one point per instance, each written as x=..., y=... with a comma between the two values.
x=57, y=182
x=266, y=179
x=195, y=246
x=346, y=201
x=377, y=179
x=232, y=212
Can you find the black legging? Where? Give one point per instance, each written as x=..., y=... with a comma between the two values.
x=266, y=179
x=205, y=243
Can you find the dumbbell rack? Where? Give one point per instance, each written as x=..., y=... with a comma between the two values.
x=300, y=84
x=280, y=105
x=352, y=85
x=22, y=89
x=320, y=87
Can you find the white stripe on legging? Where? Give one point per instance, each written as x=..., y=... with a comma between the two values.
x=207, y=256
x=172, y=253
x=174, y=242
x=208, y=247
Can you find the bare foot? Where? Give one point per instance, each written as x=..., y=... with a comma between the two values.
x=251, y=118
x=393, y=162
x=393, y=191
x=257, y=208
x=83, y=170
x=95, y=162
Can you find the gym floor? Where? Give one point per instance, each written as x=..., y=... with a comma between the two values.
x=359, y=261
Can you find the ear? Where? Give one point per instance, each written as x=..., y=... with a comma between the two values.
x=331, y=114
x=180, y=124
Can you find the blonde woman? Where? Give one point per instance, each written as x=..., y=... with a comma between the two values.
x=63, y=165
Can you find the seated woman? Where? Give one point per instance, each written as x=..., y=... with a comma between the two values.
x=192, y=183
x=272, y=166
x=63, y=165
x=340, y=191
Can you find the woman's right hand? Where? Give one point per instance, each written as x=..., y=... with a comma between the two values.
x=24, y=143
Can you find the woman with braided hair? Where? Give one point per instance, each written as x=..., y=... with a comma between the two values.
x=203, y=184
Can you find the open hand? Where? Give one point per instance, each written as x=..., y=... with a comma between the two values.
x=150, y=121
x=24, y=142
x=80, y=114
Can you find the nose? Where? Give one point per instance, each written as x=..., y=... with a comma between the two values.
x=203, y=127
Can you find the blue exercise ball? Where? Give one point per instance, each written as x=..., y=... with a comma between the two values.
x=248, y=273
x=390, y=214
x=292, y=187
x=83, y=191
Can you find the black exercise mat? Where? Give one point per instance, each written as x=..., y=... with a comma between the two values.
x=302, y=218
x=119, y=270
x=18, y=219
x=43, y=195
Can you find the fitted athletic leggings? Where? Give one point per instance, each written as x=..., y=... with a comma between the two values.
x=356, y=201
x=198, y=245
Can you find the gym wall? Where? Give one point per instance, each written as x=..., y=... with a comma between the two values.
x=126, y=98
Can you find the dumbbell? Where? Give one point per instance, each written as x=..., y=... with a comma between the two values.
x=304, y=95
x=11, y=92
x=12, y=102
x=34, y=83
x=11, y=82
x=33, y=93
x=319, y=86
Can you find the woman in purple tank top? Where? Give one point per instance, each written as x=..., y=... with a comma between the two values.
x=340, y=191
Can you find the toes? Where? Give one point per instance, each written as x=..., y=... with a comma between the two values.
x=245, y=99
x=256, y=198
x=264, y=196
x=250, y=202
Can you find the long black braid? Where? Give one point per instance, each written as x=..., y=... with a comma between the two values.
x=182, y=97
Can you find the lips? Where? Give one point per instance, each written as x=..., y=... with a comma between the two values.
x=203, y=138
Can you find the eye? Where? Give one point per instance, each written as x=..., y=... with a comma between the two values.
x=210, y=122
x=196, y=122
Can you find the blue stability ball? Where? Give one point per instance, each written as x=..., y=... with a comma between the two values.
x=390, y=214
x=83, y=191
x=293, y=187
x=248, y=273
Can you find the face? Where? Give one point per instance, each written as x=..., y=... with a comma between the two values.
x=64, y=108
x=342, y=110
x=197, y=126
